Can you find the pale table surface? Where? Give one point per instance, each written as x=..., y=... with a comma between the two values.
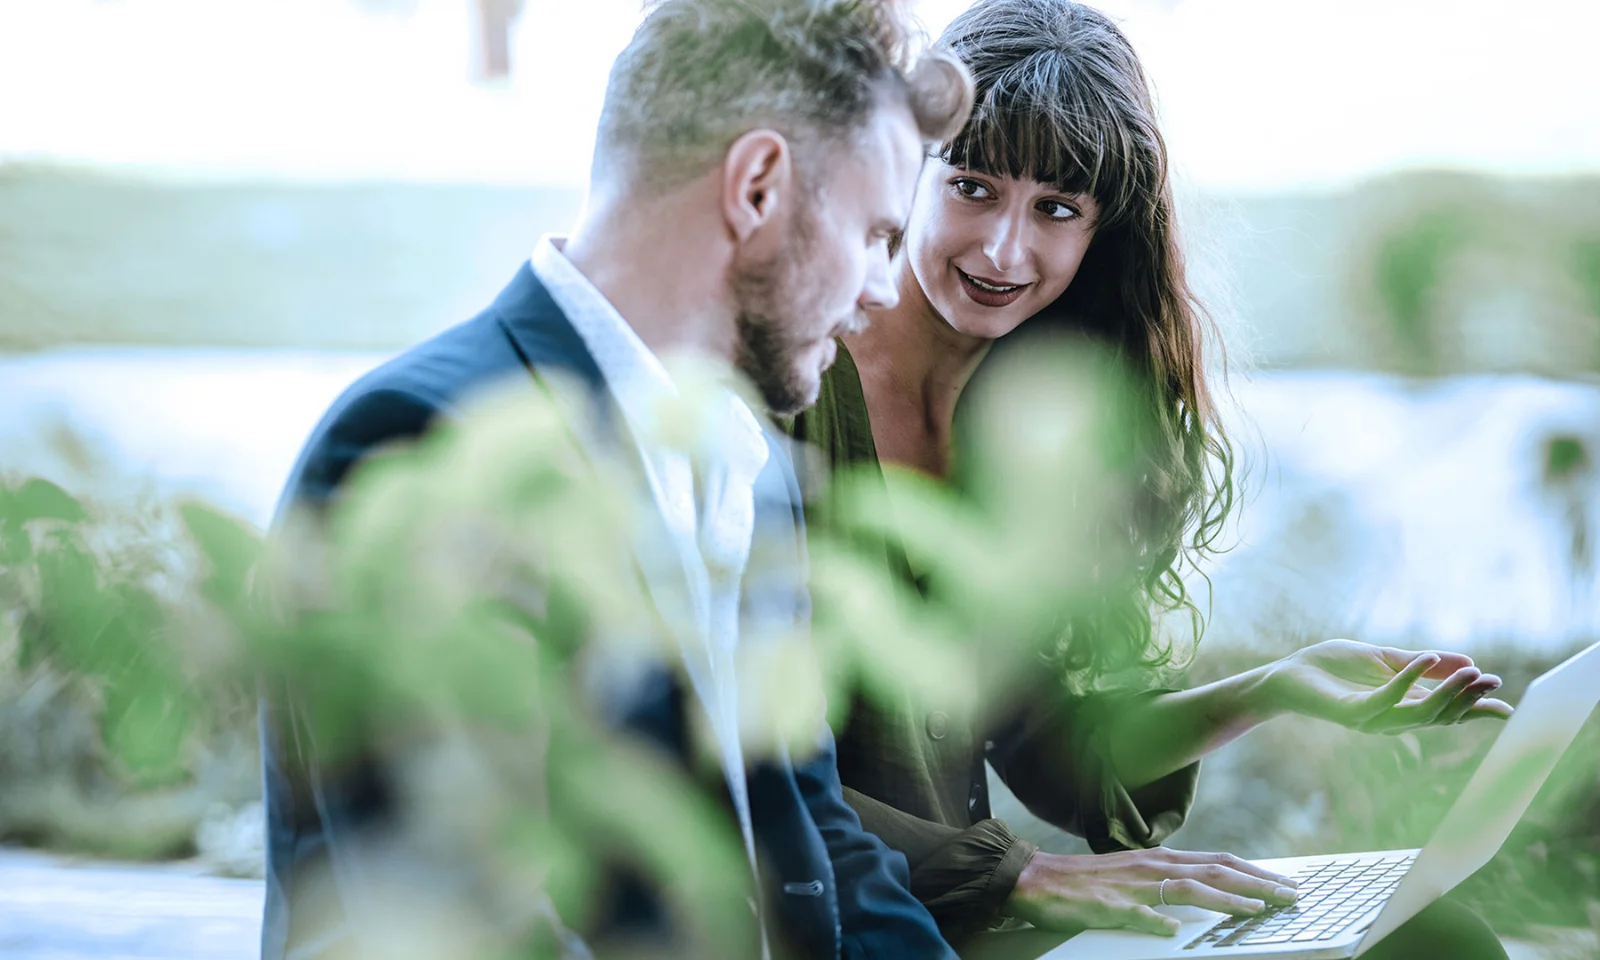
x=58, y=908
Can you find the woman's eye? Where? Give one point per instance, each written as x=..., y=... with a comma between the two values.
x=1056, y=210
x=971, y=189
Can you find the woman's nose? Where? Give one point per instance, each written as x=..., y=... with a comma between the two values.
x=1006, y=244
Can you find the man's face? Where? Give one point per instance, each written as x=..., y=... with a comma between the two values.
x=832, y=265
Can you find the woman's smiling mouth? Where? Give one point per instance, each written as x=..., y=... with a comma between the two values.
x=987, y=293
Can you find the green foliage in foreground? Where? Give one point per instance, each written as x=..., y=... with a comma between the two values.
x=114, y=736
x=451, y=612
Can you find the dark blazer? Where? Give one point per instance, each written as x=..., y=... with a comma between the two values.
x=838, y=890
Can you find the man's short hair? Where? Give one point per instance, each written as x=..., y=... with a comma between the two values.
x=701, y=73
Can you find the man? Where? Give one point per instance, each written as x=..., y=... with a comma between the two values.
x=754, y=159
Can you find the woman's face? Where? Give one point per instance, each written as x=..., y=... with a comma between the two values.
x=990, y=252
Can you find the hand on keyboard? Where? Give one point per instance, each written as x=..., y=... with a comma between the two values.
x=1121, y=890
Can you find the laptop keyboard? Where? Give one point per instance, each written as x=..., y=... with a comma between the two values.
x=1333, y=896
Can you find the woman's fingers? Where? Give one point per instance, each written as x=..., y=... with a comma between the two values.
x=1221, y=882
x=1257, y=887
x=1250, y=886
x=1145, y=920
x=1232, y=863
x=1391, y=693
x=1474, y=692
x=1429, y=708
x=1446, y=664
x=1490, y=707
x=1189, y=892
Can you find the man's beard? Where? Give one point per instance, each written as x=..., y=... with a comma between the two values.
x=767, y=355
x=767, y=295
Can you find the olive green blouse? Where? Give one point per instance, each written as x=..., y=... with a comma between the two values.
x=916, y=776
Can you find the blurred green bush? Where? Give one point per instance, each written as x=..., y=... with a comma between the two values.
x=115, y=738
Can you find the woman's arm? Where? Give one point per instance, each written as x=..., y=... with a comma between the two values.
x=1132, y=762
x=1356, y=685
x=1170, y=731
x=968, y=878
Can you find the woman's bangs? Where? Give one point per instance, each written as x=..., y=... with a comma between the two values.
x=1072, y=143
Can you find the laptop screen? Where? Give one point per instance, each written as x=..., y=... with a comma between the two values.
x=1546, y=722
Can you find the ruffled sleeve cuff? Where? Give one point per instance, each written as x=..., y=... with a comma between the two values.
x=966, y=883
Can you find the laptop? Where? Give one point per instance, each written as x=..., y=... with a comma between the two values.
x=1349, y=902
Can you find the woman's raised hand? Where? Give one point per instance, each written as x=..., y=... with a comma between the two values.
x=1122, y=890
x=1379, y=689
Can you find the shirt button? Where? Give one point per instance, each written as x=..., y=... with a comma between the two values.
x=938, y=724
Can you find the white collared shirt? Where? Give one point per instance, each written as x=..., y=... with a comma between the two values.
x=713, y=534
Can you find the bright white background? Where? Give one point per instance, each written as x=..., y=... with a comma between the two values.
x=1256, y=94
x=1358, y=528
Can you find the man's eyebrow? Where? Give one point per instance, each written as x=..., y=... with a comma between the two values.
x=889, y=224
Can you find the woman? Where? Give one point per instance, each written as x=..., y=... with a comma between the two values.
x=1053, y=208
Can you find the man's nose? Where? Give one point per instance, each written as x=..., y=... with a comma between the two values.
x=879, y=292
x=1006, y=244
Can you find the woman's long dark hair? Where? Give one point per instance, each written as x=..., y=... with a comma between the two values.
x=1062, y=99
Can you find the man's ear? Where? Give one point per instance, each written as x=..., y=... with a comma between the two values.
x=757, y=180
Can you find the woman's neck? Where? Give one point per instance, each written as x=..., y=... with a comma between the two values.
x=913, y=368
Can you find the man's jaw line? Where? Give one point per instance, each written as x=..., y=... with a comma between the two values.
x=849, y=327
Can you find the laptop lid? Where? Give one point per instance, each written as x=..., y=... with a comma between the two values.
x=1553, y=710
